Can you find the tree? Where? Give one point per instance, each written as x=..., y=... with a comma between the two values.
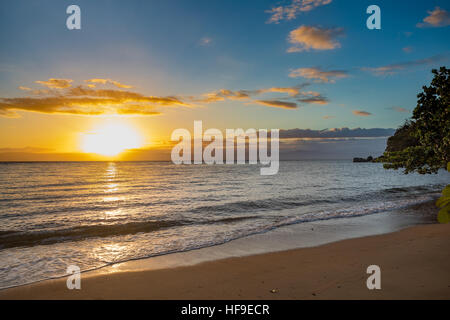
x=423, y=143
x=402, y=138
x=425, y=140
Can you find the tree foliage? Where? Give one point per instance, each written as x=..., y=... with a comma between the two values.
x=402, y=138
x=423, y=143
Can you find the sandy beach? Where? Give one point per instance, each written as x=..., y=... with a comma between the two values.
x=414, y=264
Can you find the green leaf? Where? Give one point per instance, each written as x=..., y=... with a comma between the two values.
x=443, y=215
x=446, y=191
x=442, y=202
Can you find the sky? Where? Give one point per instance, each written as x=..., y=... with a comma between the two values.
x=146, y=68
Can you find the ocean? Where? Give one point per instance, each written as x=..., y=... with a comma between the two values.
x=93, y=214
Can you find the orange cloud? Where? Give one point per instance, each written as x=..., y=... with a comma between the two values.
x=399, y=109
x=292, y=91
x=85, y=101
x=361, y=113
x=91, y=100
x=307, y=97
x=221, y=95
x=305, y=38
x=53, y=83
x=106, y=81
x=318, y=74
x=277, y=104
x=436, y=18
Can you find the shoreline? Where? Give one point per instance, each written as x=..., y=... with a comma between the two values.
x=414, y=263
x=287, y=237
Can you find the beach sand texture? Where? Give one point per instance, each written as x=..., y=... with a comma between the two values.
x=414, y=262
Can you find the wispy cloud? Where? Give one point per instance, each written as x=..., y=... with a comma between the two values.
x=93, y=82
x=407, y=49
x=292, y=96
x=292, y=91
x=436, y=18
x=65, y=99
x=290, y=11
x=396, y=67
x=205, y=41
x=361, y=113
x=90, y=99
x=305, y=38
x=399, y=109
x=53, y=83
x=337, y=133
x=221, y=95
x=318, y=75
x=314, y=99
x=277, y=104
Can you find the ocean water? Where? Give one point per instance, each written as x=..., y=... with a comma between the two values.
x=93, y=214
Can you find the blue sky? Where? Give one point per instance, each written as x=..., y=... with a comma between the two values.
x=188, y=49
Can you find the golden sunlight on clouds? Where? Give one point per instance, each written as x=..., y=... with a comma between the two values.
x=436, y=18
x=318, y=75
x=63, y=98
x=99, y=96
x=92, y=83
x=361, y=113
x=277, y=104
x=110, y=139
x=56, y=83
x=305, y=38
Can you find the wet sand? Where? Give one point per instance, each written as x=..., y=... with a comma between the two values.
x=414, y=262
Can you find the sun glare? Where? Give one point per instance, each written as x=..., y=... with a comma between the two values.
x=110, y=139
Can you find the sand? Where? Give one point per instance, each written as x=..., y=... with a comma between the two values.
x=414, y=262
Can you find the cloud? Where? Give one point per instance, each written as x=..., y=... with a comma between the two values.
x=222, y=95
x=86, y=101
x=314, y=99
x=407, y=49
x=336, y=133
x=294, y=95
x=53, y=83
x=205, y=41
x=399, y=109
x=277, y=104
x=26, y=149
x=436, y=18
x=394, y=68
x=318, y=74
x=305, y=38
x=296, y=148
x=291, y=11
x=361, y=113
x=328, y=117
x=292, y=91
x=92, y=83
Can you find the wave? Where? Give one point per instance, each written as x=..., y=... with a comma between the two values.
x=276, y=204
x=12, y=238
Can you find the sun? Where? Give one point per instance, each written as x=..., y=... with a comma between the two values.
x=110, y=139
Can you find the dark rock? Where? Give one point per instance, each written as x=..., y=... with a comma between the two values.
x=368, y=159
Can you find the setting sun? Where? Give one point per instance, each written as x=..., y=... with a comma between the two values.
x=110, y=139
